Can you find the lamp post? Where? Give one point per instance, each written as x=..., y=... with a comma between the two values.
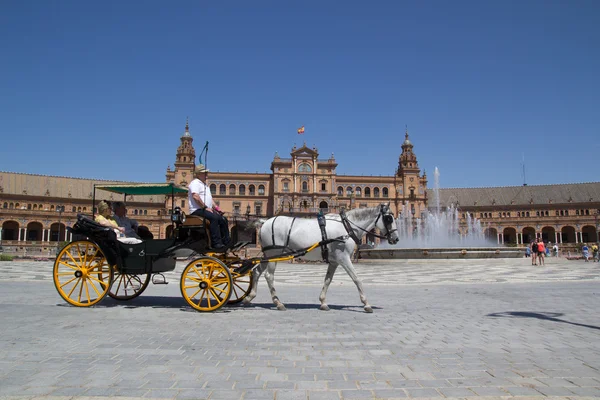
x=59, y=209
x=596, y=223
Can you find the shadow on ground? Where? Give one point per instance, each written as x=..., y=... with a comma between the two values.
x=547, y=316
x=181, y=304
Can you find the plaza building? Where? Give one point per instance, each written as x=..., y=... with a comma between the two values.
x=35, y=210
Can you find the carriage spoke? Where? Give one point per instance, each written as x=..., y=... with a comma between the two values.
x=219, y=289
x=71, y=257
x=74, y=287
x=80, y=291
x=68, y=265
x=87, y=291
x=195, y=293
x=94, y=287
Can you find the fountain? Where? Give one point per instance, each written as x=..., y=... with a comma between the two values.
x=436, y=235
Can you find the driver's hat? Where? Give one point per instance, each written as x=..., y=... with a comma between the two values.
x=201, y=168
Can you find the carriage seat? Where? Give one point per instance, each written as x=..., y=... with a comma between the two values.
x=196, y=221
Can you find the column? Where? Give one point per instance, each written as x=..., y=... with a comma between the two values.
x=499, y=241
x=24, y=234
x=19, y=235
x=0, y=235
x=555, y=237
x=576, y=237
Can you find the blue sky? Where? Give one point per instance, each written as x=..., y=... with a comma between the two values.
x=103, y=89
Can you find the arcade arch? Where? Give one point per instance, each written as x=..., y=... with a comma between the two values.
x=35, y=231
x=10, y=230
x=509, y=235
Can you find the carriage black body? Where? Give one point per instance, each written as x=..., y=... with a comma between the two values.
x=97, y=264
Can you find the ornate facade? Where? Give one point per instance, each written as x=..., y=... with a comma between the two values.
x=35, y=210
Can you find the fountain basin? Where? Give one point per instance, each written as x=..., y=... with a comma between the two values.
x=441, y=253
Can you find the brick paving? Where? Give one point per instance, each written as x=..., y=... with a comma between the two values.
x=440, y=329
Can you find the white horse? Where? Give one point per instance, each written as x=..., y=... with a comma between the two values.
x=281, y=235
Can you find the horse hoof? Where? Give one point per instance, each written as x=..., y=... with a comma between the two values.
x=247, y=301
x=324, y=307
x=368, y=309
x=281, y=307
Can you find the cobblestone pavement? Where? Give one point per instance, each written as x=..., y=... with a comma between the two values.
x=440, y=329
x=380, y=272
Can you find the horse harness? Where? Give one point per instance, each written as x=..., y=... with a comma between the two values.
x=387, y=220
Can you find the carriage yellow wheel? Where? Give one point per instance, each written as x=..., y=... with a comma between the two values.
x=127, y=286
x=241, y=286
x=81, y=274
x=206, y=284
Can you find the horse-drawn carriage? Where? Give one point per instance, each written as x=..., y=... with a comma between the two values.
x=97, y=264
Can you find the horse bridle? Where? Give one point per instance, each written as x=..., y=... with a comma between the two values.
x=387, y=222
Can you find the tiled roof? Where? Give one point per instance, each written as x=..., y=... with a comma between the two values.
x=514, y=195
x=62, y=187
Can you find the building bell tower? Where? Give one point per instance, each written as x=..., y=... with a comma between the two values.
x=411, y=186
x=185, y=160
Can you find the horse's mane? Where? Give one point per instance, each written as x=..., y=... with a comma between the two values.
x=362, y=213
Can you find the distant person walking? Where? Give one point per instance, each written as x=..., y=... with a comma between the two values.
x=586, y=252
x=534, y=252
x=555, y=248
x=541, y=251
x=528, y=251
x=595, y=251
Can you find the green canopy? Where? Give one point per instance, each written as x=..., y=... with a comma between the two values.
x=143, y=189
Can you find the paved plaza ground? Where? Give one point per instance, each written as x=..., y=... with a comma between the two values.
x=440, y=329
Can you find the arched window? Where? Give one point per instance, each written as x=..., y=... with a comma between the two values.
x=305, y=186
x=74, y=209
x=261, y=190
x=35, y=206
x=385, y=192
x=340, y=191
x=145, y=212
x=40, y=206
x=304, y=168
x=5, y=205
x=358, y=192
x=135, y=212
x=84, y=209
x=367, y=192
x=17, y=205
x=222, y=189
x=213, y=189
x=78, y=209
x=252, y=190
x=323, y=205
x=349, y=191
x=29, y=206
x=232, y=189
x=376, y=192
x=242, y=190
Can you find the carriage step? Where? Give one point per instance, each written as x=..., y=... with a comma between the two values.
x=239, y=246
x=159, y=279
x=247, y=265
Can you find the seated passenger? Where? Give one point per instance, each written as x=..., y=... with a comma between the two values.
x=132, y=227
x=105, y=218
x=201, y=204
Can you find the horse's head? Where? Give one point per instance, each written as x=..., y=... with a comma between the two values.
x=387, y=223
